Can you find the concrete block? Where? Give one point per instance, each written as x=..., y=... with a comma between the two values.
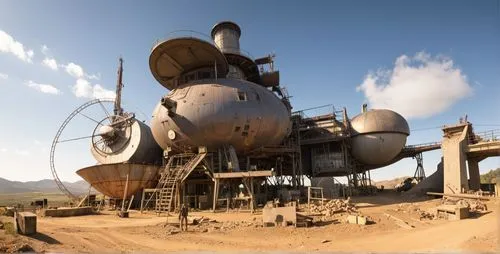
x=279, y=215
x=452, y=212
x=354, y=219
x=26, y=223
x=66, y=212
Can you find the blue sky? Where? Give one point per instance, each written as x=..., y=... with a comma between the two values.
x=328, y=52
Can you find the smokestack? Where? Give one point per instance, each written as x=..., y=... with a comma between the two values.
x=226, y=36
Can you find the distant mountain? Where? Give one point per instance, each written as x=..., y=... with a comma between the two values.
x=390, y=184
x=46, y=185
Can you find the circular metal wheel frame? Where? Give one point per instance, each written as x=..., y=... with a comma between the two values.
x=121, y=125
x=56, y=140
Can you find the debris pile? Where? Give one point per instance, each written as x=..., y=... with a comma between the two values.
x=333, y=206
x=15, y=246
x=408, y=208
x=428, y=215
x=473, y=205
x=203, y=224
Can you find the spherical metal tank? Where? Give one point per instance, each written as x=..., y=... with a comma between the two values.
x=218, y=112
x=130, y=142
x=378, y=136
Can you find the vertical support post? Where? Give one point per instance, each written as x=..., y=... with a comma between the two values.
x=125, y=195
x=142, y=199
x=322, y=197
x=252, y=195
x=309, y=198
x=88, y=196
x=474, y=177
x=130, y=203
x=216, y=194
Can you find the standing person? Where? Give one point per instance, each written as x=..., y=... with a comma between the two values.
x=183, y=217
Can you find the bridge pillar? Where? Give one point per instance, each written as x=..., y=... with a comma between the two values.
x=454, y=152
x=474, y=180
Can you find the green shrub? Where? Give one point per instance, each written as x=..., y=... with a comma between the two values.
x=9, y=228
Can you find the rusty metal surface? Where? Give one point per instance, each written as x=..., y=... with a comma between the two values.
x=222, y=112
x=110, y=179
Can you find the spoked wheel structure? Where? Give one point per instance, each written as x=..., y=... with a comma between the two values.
x=105, y=131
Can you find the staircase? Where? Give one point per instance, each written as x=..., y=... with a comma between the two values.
x=171, y=178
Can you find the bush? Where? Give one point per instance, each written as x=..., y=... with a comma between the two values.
x=9, y=228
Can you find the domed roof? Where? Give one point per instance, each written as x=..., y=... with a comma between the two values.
x=171, y=58
x=379, y=120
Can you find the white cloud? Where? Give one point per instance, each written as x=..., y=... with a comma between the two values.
x=45, y=49
x=94, y=76
x=417, y=87
x=9, y=45
x=3, y=150
x=22, y=152
x=3, y=76
x=50, y=62
x=100, y=92
x=83, y=89
x=44, y=88
x=74, y=70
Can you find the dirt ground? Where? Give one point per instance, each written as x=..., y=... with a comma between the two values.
x=243, y=231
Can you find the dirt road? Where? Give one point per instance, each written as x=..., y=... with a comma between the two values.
x=146, y=232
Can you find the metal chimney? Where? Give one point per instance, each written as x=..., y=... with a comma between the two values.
x=226, y=36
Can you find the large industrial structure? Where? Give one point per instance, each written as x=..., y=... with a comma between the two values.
x=225, y=133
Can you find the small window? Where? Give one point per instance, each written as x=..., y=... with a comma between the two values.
x=247, y=127
x=244, y=134
x=237, y=128
x=242, y=96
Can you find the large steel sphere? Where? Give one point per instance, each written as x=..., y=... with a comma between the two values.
x=378, y=136
x=219, y=112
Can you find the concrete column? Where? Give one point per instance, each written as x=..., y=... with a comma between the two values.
x=474, y=180
x=455, y=172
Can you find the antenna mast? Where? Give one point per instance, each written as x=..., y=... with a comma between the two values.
x=119, y=85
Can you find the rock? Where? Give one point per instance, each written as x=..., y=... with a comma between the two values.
x=325, y=241
x=205, y=230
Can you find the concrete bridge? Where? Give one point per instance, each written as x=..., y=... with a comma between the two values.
x=461, y=145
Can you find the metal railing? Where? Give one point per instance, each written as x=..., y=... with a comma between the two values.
x=485, y=136
x=199, y=36
x=429, y=144
x=184, y=34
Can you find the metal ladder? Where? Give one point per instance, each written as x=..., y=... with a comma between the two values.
x=170, y=181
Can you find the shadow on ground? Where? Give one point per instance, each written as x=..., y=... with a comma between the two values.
x=44, y=238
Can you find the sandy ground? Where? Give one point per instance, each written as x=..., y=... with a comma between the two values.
x=242, y=231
